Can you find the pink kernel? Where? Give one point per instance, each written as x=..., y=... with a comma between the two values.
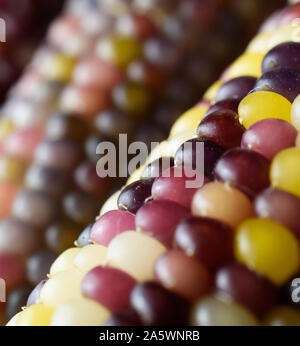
x=110, y=225
x=159, y=219
x=108, y=286
x=173, y=185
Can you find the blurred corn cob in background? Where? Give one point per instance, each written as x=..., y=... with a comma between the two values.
x=106, y=67
x=25, y=24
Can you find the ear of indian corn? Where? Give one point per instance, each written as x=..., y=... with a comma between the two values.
x=163, y=239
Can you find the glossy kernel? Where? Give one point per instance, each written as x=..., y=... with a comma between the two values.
x=268, y=248
x=135, y=253
x=247, y=64
x=182, y=275
x=54, y=292
x=188, y=121
x=295, y=114
x=263, y=105
x=211, y=311
x=36, y=315
x=64, y=261
x=79, y=312
x=222, y=202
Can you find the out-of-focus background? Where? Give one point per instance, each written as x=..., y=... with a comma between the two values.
x=26, y=23
x=102, y=68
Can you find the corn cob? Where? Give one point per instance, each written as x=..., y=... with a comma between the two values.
x=238, y=233
x=89, y=83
